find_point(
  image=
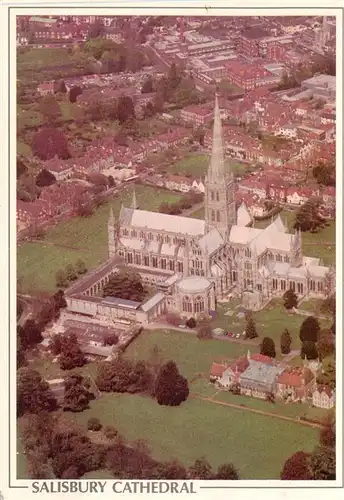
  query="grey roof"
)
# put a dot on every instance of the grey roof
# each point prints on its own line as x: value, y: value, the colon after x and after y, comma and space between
x: 91, y: 277
x: 171, y: 280
x: 194, y: 284
x: 211, y: 241
x: 97, y: 350
x: 261, y: 373
x: 161, y: 222
x: 243, y: 234
x: 243, y: 215
x: 153, y: 301
x: 116, y: 301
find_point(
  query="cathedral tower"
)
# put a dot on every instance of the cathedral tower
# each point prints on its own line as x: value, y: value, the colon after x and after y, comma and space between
x: 220, y: 210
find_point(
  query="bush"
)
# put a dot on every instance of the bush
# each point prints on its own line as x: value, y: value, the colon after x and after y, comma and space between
x: 190, y: 323
x: 110, y: 432
x: 94, y: 424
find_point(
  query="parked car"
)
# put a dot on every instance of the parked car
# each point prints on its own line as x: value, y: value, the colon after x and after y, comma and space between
x: 238, y: 336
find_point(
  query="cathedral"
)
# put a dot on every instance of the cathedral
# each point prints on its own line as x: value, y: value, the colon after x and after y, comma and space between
x: 192, y: 263
x: 223, y: 252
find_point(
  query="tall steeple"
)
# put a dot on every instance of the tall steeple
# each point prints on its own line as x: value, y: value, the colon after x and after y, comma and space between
x: 220, y: 209
x: 216, y: 169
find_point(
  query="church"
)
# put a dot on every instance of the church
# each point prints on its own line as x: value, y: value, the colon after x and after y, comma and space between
x: 193, y: 263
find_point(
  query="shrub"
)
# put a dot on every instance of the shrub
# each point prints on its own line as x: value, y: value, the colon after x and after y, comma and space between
x: 190, y: 323
x: 110, y: 432
x: 94, y: 424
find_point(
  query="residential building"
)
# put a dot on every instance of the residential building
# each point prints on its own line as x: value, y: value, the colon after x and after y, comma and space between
x: 324, y: 397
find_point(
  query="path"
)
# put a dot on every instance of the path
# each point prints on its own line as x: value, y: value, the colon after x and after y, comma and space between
x: 293, y: 354
x: 260, y: 412
x: 165, y: 326
x: 51, y: 243
x: 194, y: 208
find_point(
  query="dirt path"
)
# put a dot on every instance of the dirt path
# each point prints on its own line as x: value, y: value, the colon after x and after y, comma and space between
x: 252, y: 410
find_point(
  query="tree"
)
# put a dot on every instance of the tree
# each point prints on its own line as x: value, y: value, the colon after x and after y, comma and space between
x: 93, y: 424
x: 309, y: 350
x: 74, y: 93
x: 110, y: 432
x: 267, y: 347
x: 80, y: 267
x: 204, y: 331
x: 158, y: 103
x: 148, y: 85
x: 173, y: 77
x: 49, y: 142
x: 308, y: 217
x: 235, y: 388
x: 169, y: 470
x: 325, y: 174
x: 327, y: 437
x: 71, y: 355
x: 71, y: 274
x: 326, y: 344
x: 328, y: 374
x: 290, y: 299
x: 227, y: 472
x: 251, y: 331
x: 33, y: 393
x: 122, y: 375
x: 50, y: 108
x: 77, y: 396
x: 285, y: 342
x: 125, y: 285
x: 201, y: 470
x: 45, y: 178
x: 111, y: 181
x: 171, y: 388
x: 297, y: 467
x: 323, y: 463
x: 60, y: 87
x: 30, y: 334
x: 21, y: 168
x: 310, y: 330
x: 125, y: 109
x: 111, y: 339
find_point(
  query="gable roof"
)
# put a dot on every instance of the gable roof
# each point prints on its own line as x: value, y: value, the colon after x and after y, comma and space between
x: 162, y: 222
x: 217, y: 369
x: 243, y: 215
x: 211, y: 241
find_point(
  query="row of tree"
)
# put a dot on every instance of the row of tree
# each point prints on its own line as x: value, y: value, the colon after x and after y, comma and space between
x: 185, y: 203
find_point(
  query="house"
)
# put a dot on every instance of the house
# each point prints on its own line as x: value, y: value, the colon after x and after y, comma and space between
x: 173, y: 138
x: 295, y: 383
x: 198, y: 115
x: 216, y: 371
x: 232, y: 372
x: 259, y: 379
x: 46, y: 88
x: 178, y: 183
x: 61, y: 169
x: 324, y: 397
x: 198, y: 185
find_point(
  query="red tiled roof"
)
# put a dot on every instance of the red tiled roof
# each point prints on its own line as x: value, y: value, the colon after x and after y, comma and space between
x: 217, y: 369
x: 326, y: 389
x: 262, y: 359
x: 240, y: 365
x: 295, y: 377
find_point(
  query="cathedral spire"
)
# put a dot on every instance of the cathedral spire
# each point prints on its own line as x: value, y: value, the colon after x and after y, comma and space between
x: 134, y: 202
x: 217, y: 163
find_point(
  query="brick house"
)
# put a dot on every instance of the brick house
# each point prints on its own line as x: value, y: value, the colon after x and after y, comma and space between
x: 295, y: 383
x: 46, y: 88
x: 173, y: 138
x: 198, y: 115
x: 61, y: 169
x: 216, y: 371
x: 324, y: 397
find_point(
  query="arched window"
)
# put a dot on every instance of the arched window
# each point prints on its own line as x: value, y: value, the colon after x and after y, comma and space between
x: 142, y: 235
x: 218, y: 216
x: 150, y: 236
x: 213, y: 216
x: 133, y: 233
x: 248, y: 253
x: 217, y: 197
x: 167, y: 239
x: 180, y: 267
x: 187, y: 305
x: 212, y: 195
x: 199, y: 304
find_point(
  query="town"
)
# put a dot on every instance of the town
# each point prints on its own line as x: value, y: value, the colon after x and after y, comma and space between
x: 176, y: 247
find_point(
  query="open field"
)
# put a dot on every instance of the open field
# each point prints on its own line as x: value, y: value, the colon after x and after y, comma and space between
x: 49, y: 370
x: 193, y: 356
x: 196, y: 165
x: 38, y: 262
x: 201, y: 428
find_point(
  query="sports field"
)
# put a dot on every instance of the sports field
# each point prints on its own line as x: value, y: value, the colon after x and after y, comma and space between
x: 85, y: 238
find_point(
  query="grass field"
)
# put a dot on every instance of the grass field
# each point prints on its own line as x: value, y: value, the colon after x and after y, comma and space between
x: 193, y: 356
x: 199, y: 428
x: 199, y: 214
x: 37, y: 263
x: 270, y: 322
x: 196, y: 165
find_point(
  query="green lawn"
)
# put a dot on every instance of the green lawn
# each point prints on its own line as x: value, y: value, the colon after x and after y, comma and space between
x: 28, y: 118
x: 199, y: 428
x: 196, y: 165
x: 193, y: 356
x: 23, y: 149
x: 41, y: 58
x: 270, y: 321
x: 312, y: 305
x: 199, y: 214
x: 37, y: 263
x: 49, y: 370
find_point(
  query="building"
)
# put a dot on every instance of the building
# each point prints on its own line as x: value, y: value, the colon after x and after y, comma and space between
x: 197, y: 115
x: 295, y: 384
x: 323, y: 86
x: 249, y: 76
x: 191, y: 262
x: 46, y: 88
x: 324, y: 397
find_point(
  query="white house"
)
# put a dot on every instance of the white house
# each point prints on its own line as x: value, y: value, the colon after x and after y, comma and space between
x: 324, y: 397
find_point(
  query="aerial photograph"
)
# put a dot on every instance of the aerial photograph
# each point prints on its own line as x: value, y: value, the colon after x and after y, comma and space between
x: 176, y: 247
